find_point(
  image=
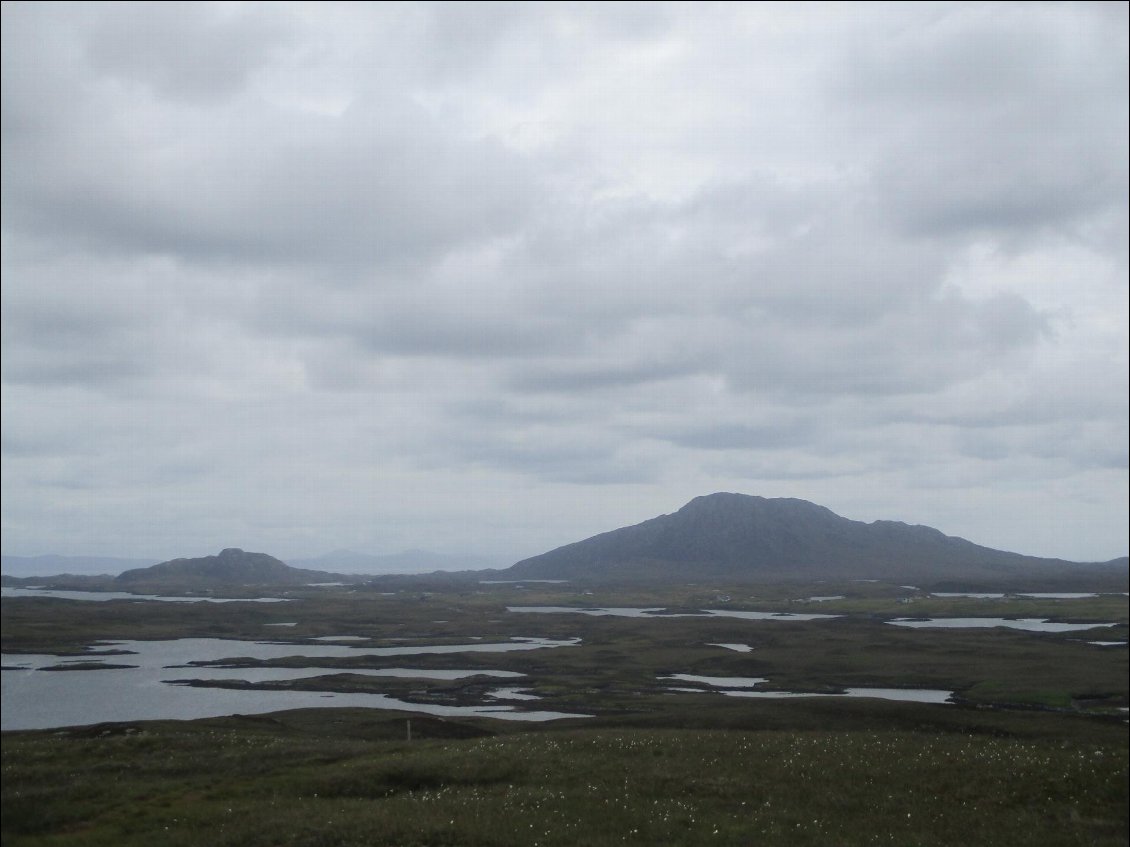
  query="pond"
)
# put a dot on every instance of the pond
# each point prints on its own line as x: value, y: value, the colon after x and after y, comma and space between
x: 1026, y: 624
x: 1035, y: 595
x: 661, y: 612
x: 104, y: 596
x: 736, y: 686
x: 138, y: 681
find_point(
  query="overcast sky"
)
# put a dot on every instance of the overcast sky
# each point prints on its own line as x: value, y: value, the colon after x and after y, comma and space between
x: 489, y: 279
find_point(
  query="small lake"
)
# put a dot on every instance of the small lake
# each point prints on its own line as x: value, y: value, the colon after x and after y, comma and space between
x: 104, y: 596
x: 905, y: 695
x: 1034, y: 595
x: 734, y: 686
x: 973, y: 595
x: 1026, y: 624
x: 661, y: 612
x: 35, y: 698
x: 511, y: 694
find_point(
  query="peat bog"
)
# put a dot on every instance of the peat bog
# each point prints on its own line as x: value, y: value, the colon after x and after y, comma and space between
x: 1034, y: 740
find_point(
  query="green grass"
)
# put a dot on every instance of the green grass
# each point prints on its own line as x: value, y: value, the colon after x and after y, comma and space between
x: 211, y: 783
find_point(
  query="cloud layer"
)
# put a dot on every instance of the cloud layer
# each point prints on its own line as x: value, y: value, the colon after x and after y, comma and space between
x: 491, y: 278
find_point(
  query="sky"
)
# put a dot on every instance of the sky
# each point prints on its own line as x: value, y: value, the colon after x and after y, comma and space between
x: 486, y: 279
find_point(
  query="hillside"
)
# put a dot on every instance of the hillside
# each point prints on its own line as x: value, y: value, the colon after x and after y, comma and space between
x: 740, y: 537
x: 230, y: 567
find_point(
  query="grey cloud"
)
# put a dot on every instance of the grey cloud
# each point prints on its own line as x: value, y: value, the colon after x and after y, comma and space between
x: 327, y: 288
x: 465, y: 36
x: 1026, y: 185
x: 1085, y: 389
x: 792, y: 432
x: 1091, y: 445
x: 585, y: 378
x: 186, y: 51
x: 383, y: 186
x: 1000, y: 117
x: 906, y: 355
x: 567, y: 453
x: 243, y: 178
x: 69, y: 336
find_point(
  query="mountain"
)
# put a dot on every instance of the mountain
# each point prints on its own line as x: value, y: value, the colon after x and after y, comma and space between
x: 231, y: 567
x: 740, y: 538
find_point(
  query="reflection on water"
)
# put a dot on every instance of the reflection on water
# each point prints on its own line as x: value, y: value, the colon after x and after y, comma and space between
x: 909, y: 695
x: 740, y: 687
x: 103, y: 596
x: 511, y: 694
x: 38, y: 700
x: 245, y: 674
x: 719, y: 681
x: 1036, y: 595
x: 1027, y: 624
x: 737, y: 648
x: 1062, y: 595
x: 974, y: 595
x: 661, y: 612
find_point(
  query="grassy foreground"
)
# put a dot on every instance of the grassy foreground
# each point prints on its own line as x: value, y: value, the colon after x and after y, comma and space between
x: 267, y: 781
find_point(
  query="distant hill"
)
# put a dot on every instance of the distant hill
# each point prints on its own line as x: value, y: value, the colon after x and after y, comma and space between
x: 229, y: 568
x: 739, y: 537
x: 23, y: 566
x: 407, y: 562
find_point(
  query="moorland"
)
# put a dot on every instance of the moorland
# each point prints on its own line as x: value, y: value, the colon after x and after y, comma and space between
x: 675, y: 746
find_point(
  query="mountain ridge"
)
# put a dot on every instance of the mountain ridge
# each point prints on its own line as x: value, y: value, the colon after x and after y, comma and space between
x: 720, y: 536
x: 740, y: 536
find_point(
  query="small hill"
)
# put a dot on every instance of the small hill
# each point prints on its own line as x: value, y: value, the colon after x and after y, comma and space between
x: 406, y: 562
x: 739, y: 537
x: 25, y: 566
x: 230, y: 568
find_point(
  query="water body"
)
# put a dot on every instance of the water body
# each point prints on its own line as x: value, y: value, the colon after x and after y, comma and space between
x: 909, y: 695
x: 103, y: 596
x: 661, y: 612
x: 213, y: 673
x: 511, y: 694
x: 1063, y: 595
x: 975, y: 595
x: 740, y: 687
x: 1026, y: 624
x: 720, y: 681
x: 38, y: 699
x: 1036, y: 595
